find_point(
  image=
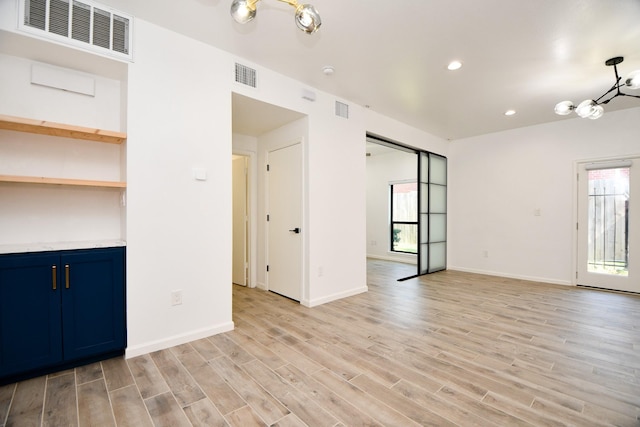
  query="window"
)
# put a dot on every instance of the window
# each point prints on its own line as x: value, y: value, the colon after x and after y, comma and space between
x: 608, y: 250
x: 404, y: 217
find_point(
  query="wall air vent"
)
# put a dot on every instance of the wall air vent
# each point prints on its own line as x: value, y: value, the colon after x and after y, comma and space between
x: 342, y: 110
x: 83, y: 24
x: 246, y: 75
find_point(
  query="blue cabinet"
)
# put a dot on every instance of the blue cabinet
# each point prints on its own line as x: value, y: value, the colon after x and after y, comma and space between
x: 60, y: 309
x: 30, y: 326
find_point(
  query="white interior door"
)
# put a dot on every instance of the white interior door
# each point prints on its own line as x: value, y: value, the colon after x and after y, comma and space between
x: 240, y: 220
x: 285, y: 221
x: 609, y: 225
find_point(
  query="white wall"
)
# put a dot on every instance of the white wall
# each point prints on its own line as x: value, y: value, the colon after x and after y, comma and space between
x: 497, y: 181
x: 46, y: 214
x: 337, y: 203
x: 383, y: 169
x: 179, y: 229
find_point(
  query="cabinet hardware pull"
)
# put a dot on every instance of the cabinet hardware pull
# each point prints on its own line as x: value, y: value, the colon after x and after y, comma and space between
x: 66, y: 276
x: 54, y: 277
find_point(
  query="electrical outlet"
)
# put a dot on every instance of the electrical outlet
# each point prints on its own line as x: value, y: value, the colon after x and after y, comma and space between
x: 176, y: 297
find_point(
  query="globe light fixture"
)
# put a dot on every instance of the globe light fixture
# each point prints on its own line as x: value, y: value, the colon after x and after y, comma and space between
x: 306, y: 16
x: 593, y: 108
x: 586, y: 108
x: 633, y: 81
x: 243, y: 11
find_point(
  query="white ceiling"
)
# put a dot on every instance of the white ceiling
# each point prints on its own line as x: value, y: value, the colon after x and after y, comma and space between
x: 392, y: 55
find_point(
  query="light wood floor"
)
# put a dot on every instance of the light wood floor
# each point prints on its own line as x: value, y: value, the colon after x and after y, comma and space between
x: 447, y: 349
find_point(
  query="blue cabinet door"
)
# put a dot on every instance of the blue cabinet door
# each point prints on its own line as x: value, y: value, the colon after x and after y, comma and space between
x: 93, y: 295
x: 30, y: 330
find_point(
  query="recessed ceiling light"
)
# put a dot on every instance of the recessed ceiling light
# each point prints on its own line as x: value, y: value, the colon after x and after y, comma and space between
x: 509, y: 112
x: 328, y: 70
x: 454, y: 65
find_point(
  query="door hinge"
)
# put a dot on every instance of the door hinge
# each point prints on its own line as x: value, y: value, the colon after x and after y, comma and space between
x: 267, y: 268
x: 267, y: 217
x: 267, y: 168
x: 577, y: 225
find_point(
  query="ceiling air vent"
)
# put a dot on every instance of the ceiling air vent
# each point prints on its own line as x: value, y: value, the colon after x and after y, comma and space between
x: 83, y: 24
x: 342, y: 110
x: 245, y: 75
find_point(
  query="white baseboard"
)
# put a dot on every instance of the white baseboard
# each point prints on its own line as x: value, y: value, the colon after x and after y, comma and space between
x: 262, y: 286
x: 150, y: 347
x: 334, y: 297
x: 511, y: 276
x: 408, y: 259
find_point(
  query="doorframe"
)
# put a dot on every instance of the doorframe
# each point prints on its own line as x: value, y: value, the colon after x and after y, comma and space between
x: 421, y: 154
x: 252, y: 213
x: 304, y: 282
x: 576, y: 194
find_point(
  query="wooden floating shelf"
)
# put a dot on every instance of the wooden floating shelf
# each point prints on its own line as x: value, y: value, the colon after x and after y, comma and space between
x: 42, y: 127
x: 62, y: 181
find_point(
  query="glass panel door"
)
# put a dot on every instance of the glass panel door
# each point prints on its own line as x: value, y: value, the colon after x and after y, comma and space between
x: 423, y: 208
x: 432, y: 174
x: 608, y: 224
x: 437, y: 213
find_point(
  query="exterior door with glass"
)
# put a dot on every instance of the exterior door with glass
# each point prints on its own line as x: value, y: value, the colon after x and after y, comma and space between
x: 609, y: 225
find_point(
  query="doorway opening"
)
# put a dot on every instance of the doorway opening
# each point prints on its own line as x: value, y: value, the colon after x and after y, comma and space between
x: 257, y: 129
x: 406, y: 205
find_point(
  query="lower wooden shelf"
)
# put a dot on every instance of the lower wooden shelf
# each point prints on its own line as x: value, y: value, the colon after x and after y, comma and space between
x: 62, y: 181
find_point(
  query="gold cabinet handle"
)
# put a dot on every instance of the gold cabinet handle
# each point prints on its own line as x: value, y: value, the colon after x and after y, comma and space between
x: 66, y: 276
x: 54, y: 277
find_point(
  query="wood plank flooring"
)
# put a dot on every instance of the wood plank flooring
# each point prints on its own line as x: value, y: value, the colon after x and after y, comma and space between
x: 446, y: 349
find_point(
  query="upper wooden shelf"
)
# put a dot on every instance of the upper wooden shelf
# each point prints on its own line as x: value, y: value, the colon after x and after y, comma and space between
x: 59, y: 129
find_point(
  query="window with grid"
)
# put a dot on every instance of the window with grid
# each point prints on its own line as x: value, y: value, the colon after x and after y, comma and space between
x: 404, y: 217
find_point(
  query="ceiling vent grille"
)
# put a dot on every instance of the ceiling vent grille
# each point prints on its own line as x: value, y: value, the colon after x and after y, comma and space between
x: 83, y: 24
x: 246, y: 75
x: 342, y: 110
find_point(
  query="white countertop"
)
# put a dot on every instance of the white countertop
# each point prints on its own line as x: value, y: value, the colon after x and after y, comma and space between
x: 60, y: 246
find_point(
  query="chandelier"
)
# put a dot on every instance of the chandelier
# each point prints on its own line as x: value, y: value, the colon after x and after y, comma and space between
x: 593, y: 108
x: 307, y: 17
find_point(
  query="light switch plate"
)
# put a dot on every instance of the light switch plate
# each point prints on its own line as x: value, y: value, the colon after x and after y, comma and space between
x: 200, y: 174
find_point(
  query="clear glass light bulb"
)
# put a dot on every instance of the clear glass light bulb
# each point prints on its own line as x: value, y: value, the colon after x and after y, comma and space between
x: 563, y: 108
x: 243, y: 11
x: 633, y: 81
x: 597, y: 112
x: 585, y: 108
x: 308, y: 18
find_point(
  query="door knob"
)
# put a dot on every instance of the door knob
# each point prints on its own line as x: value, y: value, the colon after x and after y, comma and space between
x: 296, y: 230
